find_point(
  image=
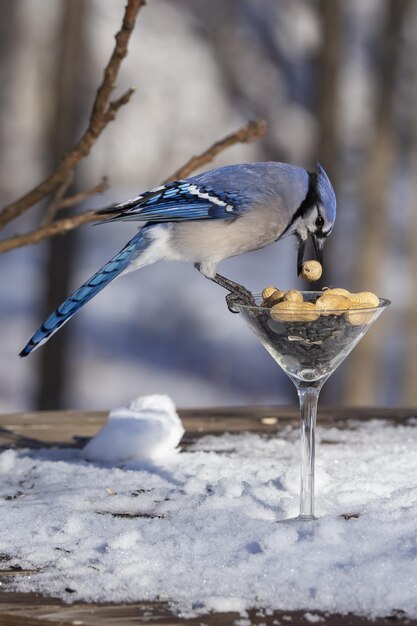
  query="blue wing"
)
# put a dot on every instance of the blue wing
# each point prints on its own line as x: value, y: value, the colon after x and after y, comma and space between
x: 178, y: 201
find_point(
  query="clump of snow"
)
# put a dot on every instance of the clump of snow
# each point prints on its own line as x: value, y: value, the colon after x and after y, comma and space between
x: 148, y: 429
x: 200, y: 530
x: 221, y: 604
x: 313, y: 618
x: 7, y: 460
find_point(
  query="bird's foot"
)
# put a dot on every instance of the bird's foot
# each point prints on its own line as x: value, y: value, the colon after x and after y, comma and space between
x: 238, y: 294
x: 232, y: 300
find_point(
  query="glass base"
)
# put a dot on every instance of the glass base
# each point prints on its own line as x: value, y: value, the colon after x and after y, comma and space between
x: 306, y: 518
x: 299, y: 518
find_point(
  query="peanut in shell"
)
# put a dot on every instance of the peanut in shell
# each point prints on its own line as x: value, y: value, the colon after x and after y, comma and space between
x: 293, y: 296
x: 310, y: 313
x: 329, y: 304
x: 337, y: 291
x: 290, y: 311
x: 311, y: 270
x: 358, y: 318
x: 268, y: 291
x: 275, y: 296
x: 364, y: 300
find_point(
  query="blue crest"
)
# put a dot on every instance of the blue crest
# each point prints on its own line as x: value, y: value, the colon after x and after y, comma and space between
x: 327, y: 194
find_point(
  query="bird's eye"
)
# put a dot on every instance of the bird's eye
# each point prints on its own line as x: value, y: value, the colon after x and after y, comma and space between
x: 319, y: 222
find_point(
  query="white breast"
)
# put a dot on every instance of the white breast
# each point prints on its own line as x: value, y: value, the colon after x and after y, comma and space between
x: 214, y: 240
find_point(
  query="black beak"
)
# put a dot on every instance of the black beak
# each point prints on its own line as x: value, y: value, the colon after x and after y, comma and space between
x: 300, y: 254
x: 318, y: 247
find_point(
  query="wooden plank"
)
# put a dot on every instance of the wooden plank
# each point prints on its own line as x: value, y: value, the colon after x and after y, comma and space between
x: 32, y: 610
x: 73, y: 428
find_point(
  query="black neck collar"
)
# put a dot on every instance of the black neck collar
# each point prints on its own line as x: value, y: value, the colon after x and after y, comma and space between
x: 309, y: 201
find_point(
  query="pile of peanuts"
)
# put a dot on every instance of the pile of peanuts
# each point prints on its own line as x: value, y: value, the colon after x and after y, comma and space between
x: 289, y: 306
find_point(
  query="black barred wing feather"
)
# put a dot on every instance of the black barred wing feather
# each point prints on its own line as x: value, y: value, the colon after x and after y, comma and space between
x: 177, y: 201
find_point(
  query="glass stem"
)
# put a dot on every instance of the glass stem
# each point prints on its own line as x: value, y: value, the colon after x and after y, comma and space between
x: 308, y: 395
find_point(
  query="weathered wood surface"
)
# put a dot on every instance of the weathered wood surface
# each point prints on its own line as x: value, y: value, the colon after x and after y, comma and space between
x: 73, y: 428
x: 32, y: 610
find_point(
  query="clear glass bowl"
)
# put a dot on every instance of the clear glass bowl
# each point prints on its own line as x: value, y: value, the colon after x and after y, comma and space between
x: 309, y: 345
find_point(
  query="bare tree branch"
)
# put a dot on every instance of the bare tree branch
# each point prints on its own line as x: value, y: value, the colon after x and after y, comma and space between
x: 65, y: 203
x: 58, y: 227
x: 59, y: 202
x: 102, y: 113
x: 247, y: 134
x: 57, y: 198
x: 251, y: 132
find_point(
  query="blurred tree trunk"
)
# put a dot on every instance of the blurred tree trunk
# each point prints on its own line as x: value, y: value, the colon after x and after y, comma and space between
x: 410, y: 382
x: 328, y: 71
x: 410, y: 385
x: 364, y: 365
x: 329, y: 63
x: 237, y: 40
x: 9, y: 42
x: 61, y: 250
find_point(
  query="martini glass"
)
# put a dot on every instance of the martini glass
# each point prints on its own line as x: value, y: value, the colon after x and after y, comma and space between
x: 308, y: 345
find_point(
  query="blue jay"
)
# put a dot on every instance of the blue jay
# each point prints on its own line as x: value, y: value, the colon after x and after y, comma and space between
x: 210, y: 217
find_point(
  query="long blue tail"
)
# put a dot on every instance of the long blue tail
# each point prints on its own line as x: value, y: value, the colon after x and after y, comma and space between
x: 87, y: 291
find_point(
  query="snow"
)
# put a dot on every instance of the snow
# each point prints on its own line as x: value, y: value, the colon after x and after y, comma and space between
x: 199, y: 529
x: 148, y: 429
x: 312, y: 618
x: 7, y: 460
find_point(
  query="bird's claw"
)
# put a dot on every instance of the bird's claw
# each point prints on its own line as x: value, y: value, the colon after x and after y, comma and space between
x: 243, y: 297
x: 231, y: 300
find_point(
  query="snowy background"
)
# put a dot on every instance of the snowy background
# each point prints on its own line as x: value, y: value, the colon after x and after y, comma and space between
x: 201, y: 70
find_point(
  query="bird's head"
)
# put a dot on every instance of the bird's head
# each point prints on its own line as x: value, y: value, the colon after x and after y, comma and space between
x: 316, y: 215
